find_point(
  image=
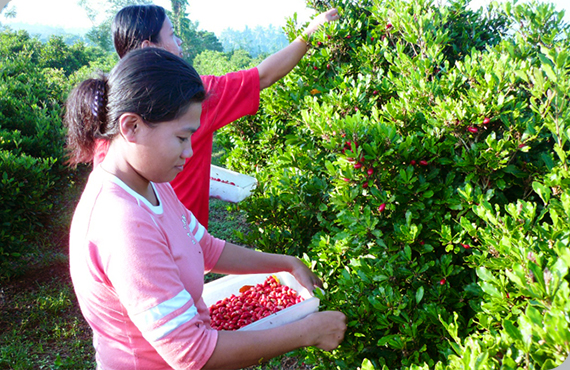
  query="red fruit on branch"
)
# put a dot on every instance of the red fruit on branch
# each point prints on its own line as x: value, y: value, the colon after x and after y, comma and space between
x: 315, y: 68
x: 413, y: 162
x: 423, y: 162
x: 381, y: 207
x: 358, y: 165
x: 472, y: 130
x: 370, y: 171
x: 365, y: 185
x: 486, y: 121
x: 319, y: 43
x: 466, y: 246
x: 388, y: 26
x: 442, y: 281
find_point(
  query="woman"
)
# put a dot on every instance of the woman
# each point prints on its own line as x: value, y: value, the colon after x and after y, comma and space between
x: 230, y: 97
x: 137, y: 255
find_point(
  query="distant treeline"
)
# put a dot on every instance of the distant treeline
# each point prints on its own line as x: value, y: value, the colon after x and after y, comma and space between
x: 256, y: 41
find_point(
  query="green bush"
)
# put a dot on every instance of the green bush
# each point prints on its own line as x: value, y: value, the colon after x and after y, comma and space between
x: 34, y: 80
x: 418, y: 156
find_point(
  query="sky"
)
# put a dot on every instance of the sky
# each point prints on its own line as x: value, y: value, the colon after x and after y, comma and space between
x: 212, y: 15
x: 235, y: 14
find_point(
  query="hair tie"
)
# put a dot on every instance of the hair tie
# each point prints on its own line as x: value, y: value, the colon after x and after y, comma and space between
x: 98, y: 99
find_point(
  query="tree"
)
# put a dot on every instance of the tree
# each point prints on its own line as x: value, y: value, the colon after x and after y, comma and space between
x: 100, y: 33
x: 194, y: 41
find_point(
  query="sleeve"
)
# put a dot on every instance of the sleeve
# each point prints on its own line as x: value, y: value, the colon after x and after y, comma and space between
x: 230, y: 97
x: 212, y: 247
x: 155, y: 298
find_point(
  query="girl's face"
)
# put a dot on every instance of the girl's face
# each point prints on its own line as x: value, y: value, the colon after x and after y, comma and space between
x: 168, y: 39
x: 160, y: 152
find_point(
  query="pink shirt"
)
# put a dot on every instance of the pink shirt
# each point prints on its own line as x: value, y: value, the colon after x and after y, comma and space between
x: 230, y: 97
x: 138, y: 272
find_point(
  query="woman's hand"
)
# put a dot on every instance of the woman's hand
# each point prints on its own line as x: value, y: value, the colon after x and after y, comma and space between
x: 305, y: 276
x: 328, y: 16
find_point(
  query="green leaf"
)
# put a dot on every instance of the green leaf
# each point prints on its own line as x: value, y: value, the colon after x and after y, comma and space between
x: 542, y: 191
x: 512, y: 331
x: 419, y: 294
x: 366, y: 365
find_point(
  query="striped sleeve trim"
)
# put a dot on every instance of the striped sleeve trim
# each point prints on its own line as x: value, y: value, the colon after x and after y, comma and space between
x: 151, y: 317
x: 199, y: 231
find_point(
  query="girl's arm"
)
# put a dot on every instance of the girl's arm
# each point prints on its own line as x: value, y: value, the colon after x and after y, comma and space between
x: 277, y: 65
x: 239, y: 260
x: 239, y: 349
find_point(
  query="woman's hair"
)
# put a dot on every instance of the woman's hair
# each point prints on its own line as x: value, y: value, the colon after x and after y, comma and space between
x: 136, y: 23
x: 150, y: 82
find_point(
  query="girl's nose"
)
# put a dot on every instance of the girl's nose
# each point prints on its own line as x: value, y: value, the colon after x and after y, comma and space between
x: 187, y: 153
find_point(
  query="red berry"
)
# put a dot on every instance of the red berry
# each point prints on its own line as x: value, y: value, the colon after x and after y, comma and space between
x: 422, y: 242
x: 388, y: 26
x: 472, y: 129
x: 423, y: 162
x: 521, y: 146
x: 486, y: 121
x: 382, y: 207
x: 346, y: 179
x: 370, y: 171
x: 358, y: 165
x: 413, y: 162
x: 319, y: 43
x: 347, y: 36
x: 442, y: 281
x: 328, y: 66
x: 365, y: 185
x: 466, y: 246
x: 315, y: 68
x: 372, y: 38
x: 375, y: 92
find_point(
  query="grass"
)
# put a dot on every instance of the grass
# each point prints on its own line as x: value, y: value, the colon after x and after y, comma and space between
x: 41, y: 326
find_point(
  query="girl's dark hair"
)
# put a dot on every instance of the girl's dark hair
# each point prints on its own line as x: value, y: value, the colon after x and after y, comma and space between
x: 151, y: 82
x: 136, y: 23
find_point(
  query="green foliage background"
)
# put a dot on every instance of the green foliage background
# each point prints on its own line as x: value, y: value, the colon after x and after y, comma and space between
x: 418, y: 159
x: 34, y: 80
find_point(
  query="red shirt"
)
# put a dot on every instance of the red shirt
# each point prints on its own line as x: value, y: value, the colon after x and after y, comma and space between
x: 230, y: 97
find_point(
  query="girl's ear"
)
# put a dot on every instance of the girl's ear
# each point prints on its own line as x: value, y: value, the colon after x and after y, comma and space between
x: 146, y: 44
x: 130, y: 125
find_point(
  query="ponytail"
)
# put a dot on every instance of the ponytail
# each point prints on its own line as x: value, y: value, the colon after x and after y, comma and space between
x: 86, y: 119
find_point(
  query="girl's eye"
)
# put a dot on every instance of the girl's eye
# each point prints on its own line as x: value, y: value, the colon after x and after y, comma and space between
x: 182, y: 139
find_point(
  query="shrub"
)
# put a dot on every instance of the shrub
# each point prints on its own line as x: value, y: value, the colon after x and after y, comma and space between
x: 384, y: 158
x: 33, y: 84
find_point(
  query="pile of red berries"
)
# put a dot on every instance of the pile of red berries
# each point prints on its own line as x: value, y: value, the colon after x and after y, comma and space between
x: 224, y: 181
x: 253, y: 303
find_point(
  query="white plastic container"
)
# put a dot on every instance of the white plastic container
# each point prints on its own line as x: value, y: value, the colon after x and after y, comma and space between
x: 230, y: 186
x: 228, y: 285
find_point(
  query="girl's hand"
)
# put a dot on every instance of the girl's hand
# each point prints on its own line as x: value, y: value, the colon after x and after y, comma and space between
x: 328, y: 16
x: 305, y: 276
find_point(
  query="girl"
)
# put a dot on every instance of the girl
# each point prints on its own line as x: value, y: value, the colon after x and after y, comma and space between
x: 137, y: 255
x: 230, y: 97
